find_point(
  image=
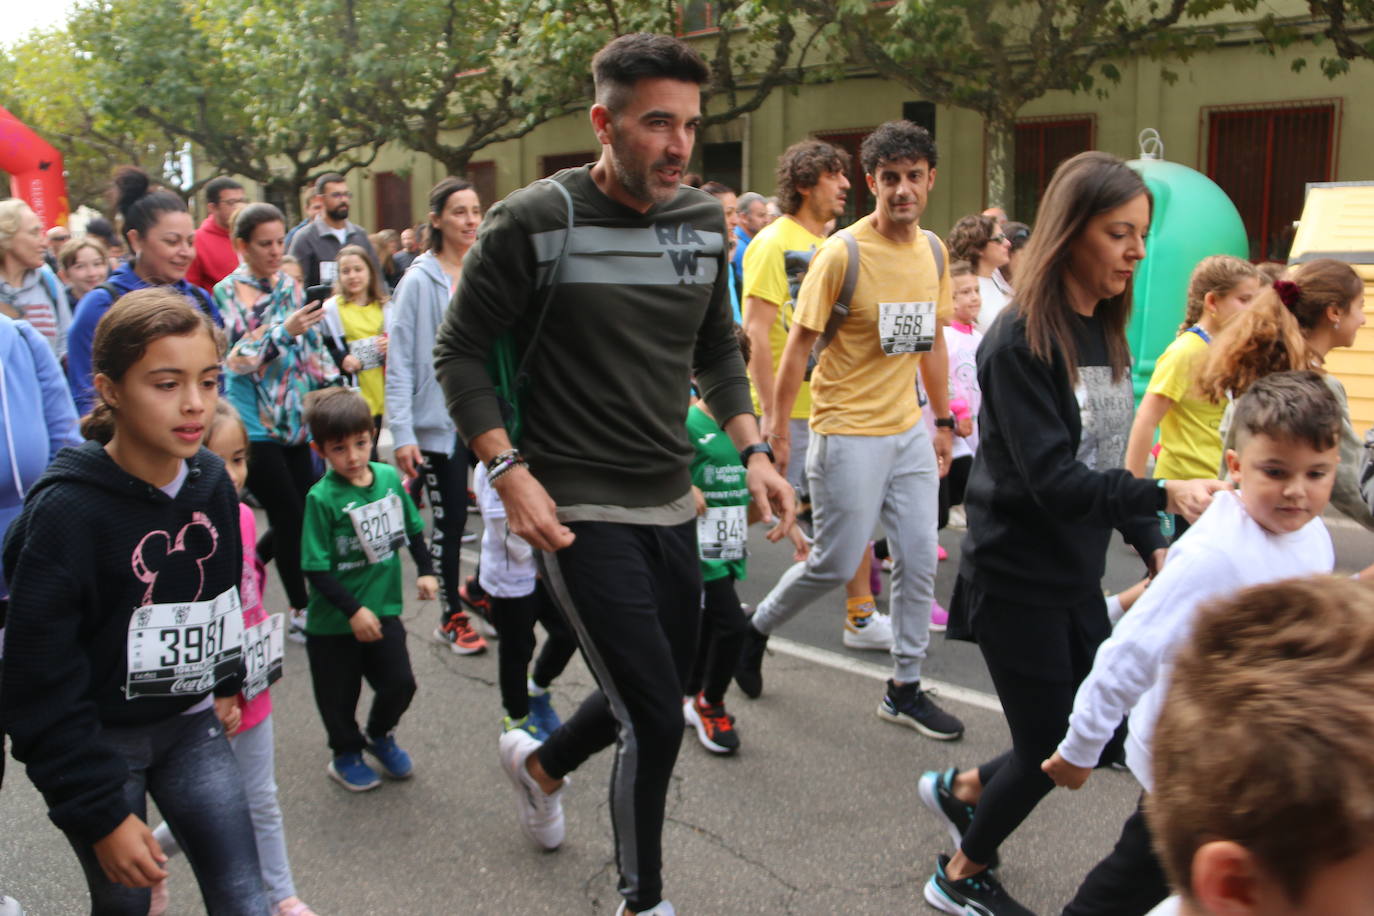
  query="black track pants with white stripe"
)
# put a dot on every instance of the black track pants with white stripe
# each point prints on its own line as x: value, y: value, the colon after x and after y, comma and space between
x: 632, y: 596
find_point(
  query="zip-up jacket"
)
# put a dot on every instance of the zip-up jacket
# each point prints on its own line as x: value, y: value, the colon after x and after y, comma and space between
x: 414, y: 401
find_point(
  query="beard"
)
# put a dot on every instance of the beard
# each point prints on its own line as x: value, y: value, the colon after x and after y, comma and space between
x: 638, y: 178
x: 337, y: 213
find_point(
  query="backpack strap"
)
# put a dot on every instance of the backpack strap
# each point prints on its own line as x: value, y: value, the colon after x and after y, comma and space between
x: 851, y: 278
x: 840, y: 311
x: 552, y: 279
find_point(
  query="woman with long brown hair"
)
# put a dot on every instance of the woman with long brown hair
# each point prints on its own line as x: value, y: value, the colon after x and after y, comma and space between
x: 1046, y: 489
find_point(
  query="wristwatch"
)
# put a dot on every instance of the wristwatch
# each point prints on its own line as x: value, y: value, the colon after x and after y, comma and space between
x: 751, y: 450
x: 944, y: 422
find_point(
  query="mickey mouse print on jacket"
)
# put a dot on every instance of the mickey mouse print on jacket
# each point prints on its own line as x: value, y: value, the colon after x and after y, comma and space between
x: 96, y: 557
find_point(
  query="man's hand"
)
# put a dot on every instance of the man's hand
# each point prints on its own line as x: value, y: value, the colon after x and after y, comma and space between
x: 1155, y: 564
x: 366, y: 626
x: 698, y: 500
x: 771, y: 492
x: 229, y: 714
x: 1065, y: 774
x: 944, y: 448
x: 130, y: 855
x: 409, y: 459
x: 1190, y: 498
x: 964, y: 426
x: 530, y: 511
x: 428, y: 587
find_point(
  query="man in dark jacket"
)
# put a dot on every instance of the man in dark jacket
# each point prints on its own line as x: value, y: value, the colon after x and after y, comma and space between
x: 317, y: 244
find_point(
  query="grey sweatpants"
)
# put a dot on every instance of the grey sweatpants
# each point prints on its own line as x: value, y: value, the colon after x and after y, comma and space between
x: 856, y: 481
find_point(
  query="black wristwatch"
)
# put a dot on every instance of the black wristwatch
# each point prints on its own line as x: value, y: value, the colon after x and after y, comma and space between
x: 758, y: 447
x: 944, y: 422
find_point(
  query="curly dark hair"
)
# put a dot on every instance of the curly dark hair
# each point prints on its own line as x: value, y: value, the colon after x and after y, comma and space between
x: 801, y: 166
x: 894, y: 141
x: 969, y: 235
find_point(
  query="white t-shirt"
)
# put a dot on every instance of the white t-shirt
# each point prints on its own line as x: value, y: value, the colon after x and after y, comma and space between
x: 1224, y: 552
x: 994, y: 300
x: 507, y: 569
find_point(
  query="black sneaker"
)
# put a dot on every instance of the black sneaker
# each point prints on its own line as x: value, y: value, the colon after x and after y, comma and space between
x: 937, y: 794
x: 977, y: 895
x: 749, y: 671
x: 911, y: 706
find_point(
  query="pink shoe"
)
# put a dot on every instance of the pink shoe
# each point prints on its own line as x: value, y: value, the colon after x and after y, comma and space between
x: 941, y: 554
x: 939, y: 617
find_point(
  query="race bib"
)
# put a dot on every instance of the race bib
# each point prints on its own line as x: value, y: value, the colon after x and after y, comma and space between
x: 380, y: 527
x: 263, y: 644
x: 368, y: 351
x: 329, y: 270
x: 178, y: 649
x: 906, y: 327
x: 722, y: 532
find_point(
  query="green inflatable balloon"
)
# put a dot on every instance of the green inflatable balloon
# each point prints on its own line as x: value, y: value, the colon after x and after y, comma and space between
x: 1193, y: 218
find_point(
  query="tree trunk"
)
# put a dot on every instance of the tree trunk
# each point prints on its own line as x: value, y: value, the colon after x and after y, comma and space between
x: 1000, y: 187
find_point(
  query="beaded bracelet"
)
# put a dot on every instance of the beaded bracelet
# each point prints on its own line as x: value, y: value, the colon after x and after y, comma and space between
x: 503, y: 464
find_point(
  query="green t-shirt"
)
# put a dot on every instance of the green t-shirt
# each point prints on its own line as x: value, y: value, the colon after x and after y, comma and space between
x: 722, y: 533
x: 351, y: 533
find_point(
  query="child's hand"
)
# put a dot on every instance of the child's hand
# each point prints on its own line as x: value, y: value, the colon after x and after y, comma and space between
x: 1065, y: 774
x: 381, y: 346
x: 130, y: 855
x: 699, y: 500
x: 366, y: 626
x: 428, y: 587
x: 230, y: 716
x: 963, y: 427
x: 802, y: 545
x: 351, y: 364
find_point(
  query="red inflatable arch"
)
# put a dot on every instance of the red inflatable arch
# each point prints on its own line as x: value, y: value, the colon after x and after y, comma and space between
x: 35, y: 168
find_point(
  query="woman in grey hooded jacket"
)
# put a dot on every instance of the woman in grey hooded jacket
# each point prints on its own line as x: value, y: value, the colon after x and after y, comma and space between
x: 425, y: 438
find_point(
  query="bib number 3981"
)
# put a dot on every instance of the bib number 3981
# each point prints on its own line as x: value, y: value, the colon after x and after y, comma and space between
x: 263, y: 645
x: 178, y: 649
x: 721, y: 533
x: 380, y: 527
x: 906, y: 327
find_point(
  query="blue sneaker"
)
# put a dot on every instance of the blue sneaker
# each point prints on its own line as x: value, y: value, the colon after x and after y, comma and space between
x: 349, y: 771
x: 395, y: 762
x: 542, y: 717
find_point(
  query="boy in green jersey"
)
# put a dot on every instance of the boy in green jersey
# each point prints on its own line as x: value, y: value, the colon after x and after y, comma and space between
x: 723, y: 516
x: 356, y: 518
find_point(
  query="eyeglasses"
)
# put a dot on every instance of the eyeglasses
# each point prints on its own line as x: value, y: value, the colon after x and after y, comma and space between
x: 339, y: 195
x: 233, y: 203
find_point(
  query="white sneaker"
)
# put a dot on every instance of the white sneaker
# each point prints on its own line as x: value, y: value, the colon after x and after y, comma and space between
x: 664, y: 908
x: 10, y: 907
x: 957, y: 518
x: 541, y: 815
x: 295, y: 629
x: 871, y: 632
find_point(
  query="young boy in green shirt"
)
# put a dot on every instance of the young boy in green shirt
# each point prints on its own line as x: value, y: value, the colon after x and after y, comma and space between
x: 356, y: 518
x: 723, y: 517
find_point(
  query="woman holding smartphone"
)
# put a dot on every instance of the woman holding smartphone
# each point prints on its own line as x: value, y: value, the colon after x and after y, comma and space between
x: 276, y: 357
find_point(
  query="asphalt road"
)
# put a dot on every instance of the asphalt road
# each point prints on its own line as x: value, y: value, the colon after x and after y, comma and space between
x: 818, y: 814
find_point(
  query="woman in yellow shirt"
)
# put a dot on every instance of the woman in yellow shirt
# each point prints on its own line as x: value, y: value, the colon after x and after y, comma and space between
x: 1188, y: 423
x: 356, y: 319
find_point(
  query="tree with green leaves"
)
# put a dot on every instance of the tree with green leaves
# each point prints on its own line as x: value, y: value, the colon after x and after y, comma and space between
x: 994, y: 56
x: 448, y: 78
x: 253, y: 85
x: 47, y: 83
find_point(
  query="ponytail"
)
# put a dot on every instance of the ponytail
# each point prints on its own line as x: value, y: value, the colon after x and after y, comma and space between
x: 99, y: 424
x: 1218, y: 274
x: 1262, y: 340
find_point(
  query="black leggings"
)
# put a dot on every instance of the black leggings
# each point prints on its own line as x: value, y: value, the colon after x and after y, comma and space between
x: 1037, y: 657
x: 280, y: 476
x: 952, y: 487
x: 515, y: 620
x: 722, y: 636
x: 632, y: 596
x: 446, y: 482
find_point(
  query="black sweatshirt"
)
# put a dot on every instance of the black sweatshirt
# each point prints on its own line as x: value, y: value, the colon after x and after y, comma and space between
x: 93, y: 545
x: 1039, y: 518
x: 641, y: 306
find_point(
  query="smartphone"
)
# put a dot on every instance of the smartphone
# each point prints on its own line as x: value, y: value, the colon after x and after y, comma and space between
x: 315, y: 296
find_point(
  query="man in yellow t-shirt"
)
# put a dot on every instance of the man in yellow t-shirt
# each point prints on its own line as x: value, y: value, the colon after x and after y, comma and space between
x: 871, y: 458
x: 811, y: 192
